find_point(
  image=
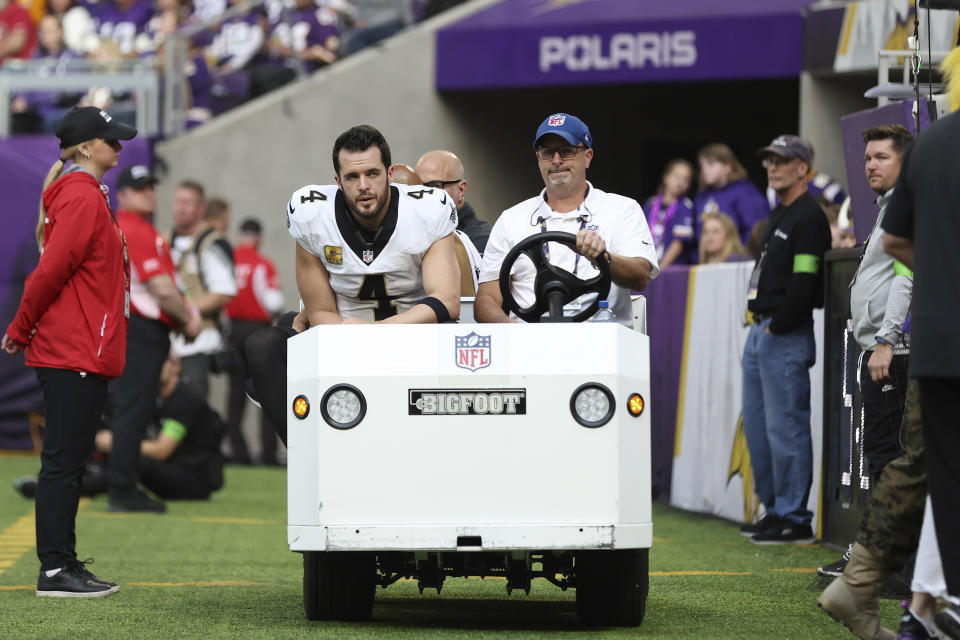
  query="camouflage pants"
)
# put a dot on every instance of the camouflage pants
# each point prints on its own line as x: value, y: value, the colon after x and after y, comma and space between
x: 890, y: 528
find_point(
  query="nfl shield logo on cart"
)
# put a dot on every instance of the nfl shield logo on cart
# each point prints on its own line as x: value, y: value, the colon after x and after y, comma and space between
x: 472, y: 351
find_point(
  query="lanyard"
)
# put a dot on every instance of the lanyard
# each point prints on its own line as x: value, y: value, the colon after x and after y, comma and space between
x: 546, y: 245
x: 659, y: 219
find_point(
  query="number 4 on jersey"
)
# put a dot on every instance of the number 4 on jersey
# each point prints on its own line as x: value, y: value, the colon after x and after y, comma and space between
x: 374, y: 289
x: 313, y: 197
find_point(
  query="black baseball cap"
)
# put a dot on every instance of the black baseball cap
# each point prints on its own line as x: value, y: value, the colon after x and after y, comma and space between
x: 251, y: 226
x: 788, y: 146
x: 136, y: 177
x: 86, y: 123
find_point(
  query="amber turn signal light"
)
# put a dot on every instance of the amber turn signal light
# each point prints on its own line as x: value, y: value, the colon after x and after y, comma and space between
x: 635, y: 404
x: 301, y: 407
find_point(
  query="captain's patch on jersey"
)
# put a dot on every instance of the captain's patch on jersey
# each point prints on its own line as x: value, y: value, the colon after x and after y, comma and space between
x: 333, y: 254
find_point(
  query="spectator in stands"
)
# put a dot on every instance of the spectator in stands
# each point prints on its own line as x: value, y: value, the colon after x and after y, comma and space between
x: 121, y: 21
x: 78, y: 25
x: 724, y: 187
x: 259, y: 300
x: 18, y: 34
x: 720, y: 241
x: 72, y: 322
x: 204, y: 262
x: 238, y: 48
x: 376, y: 20
x: 183, y: 462
x: 443, y: 170
x: 308, y: 33
x: 563, y: 148
x: 157, y: 308
x: 840, y: 238
x: 785, y: 287
x: 820, y: 186
x: 670, y: 216
x: 921, y: 232
x: 40, y: 111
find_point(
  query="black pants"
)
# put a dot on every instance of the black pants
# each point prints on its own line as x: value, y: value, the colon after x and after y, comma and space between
x: 883, y: 404
x: 940, y: 406
x: 134, y: 399
x: 177, y: 482
x: 267, y: 358
x: 240, y: 330
x: 196, y: 373
x: 72, y: 406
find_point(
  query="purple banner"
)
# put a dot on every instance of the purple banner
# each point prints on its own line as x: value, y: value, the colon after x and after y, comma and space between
x: 666, y: 320
x: 862, y: 199
x: 26, y: 160
x: 525, y: 43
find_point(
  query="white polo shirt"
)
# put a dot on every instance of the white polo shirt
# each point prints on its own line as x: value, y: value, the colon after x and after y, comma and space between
x: 617, y: 219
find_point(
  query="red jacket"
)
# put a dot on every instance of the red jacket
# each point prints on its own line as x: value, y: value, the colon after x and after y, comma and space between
x: 256, y: 282
x: 76, y: 297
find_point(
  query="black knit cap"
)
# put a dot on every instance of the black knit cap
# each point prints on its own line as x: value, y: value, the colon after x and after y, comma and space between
x: 86, y: 123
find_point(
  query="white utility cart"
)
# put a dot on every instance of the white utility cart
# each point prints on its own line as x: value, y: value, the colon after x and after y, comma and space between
x: 432, y: 451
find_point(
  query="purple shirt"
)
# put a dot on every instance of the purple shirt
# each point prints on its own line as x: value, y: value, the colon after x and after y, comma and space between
x: 672, y: 222
x: 122, y: 26
x: 740, y: 200
x: 308, y: 28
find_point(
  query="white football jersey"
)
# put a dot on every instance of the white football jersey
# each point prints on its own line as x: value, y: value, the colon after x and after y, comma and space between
x: 374, y: 276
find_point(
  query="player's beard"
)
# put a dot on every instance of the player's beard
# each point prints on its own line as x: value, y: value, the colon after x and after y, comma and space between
x: 372, y: 214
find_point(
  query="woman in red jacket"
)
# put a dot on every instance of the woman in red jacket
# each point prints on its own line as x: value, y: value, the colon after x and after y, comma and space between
x: 72, y: 322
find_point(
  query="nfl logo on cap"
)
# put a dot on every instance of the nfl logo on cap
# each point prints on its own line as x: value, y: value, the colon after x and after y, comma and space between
x: 557, y: 120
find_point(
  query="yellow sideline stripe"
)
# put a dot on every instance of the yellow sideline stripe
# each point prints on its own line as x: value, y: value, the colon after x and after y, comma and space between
x: 200, y: 583
x: 678, y: 438
x: 19, y: 538
x: 848, y: 22
x: 794, y: 570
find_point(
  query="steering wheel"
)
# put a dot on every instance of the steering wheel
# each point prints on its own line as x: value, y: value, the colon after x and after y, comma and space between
x: 553, y: 286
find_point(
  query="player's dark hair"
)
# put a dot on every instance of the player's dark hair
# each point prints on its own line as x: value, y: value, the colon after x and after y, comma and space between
x: 897, y: 134
x: 250, y: 226
x: 193, y: 185
x: 360, y: 138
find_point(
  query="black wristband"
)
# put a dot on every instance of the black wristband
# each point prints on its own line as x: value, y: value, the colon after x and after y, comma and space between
x: 438, y: 308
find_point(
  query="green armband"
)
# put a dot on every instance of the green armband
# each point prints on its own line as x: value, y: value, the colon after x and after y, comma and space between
x: 806, y: 263
x: 900, y: 269
x: 174, y: 429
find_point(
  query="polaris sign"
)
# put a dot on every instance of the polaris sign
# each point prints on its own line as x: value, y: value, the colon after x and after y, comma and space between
x: 621, y: 50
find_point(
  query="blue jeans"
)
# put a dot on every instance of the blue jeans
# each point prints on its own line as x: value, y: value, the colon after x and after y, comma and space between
x: 776, y: 418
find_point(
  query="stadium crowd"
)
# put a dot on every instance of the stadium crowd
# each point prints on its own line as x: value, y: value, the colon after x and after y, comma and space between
x: 228, y: 60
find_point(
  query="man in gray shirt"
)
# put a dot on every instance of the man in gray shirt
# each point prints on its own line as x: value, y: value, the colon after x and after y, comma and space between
x: 880, y: 296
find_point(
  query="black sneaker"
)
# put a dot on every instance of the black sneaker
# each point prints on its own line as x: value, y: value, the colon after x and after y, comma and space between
x: 835, y: 569
x: 785, y: 533
x: 910, y: 626
x: 948, y: 621
x: 81, y: 567
x: 73, y: 581
x: 135, y: 500
x: 26, y: 486
x: 768, y: 522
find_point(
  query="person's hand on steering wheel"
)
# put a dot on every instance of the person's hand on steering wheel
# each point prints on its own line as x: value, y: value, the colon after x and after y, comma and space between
x: 590, y: 245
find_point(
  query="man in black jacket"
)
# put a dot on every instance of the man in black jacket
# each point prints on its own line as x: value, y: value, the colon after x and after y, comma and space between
x: 443, y: 170
x: 785, y: 287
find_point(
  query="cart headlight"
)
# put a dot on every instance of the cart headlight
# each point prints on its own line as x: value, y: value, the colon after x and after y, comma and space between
x: 635, y: 404
x: 301, y: 407
x: 592, y: 405
x: 343, y: 406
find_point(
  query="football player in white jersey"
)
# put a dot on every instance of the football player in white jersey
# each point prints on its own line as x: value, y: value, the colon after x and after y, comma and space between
x: 368, y: 251
x: 604, y: 223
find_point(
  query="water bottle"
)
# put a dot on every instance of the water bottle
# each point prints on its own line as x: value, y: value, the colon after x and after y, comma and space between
x: 604, y: 314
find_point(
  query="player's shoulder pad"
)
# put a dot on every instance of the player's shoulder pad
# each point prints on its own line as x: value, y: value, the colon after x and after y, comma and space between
x: 307, y: 203
x: 428, y: 201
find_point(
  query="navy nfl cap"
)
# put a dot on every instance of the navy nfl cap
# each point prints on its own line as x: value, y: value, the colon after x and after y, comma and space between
x: 788, y: 146
x: 570, y: 128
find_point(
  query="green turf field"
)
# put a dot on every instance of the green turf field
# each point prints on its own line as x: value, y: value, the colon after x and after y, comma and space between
x: 221, y: 569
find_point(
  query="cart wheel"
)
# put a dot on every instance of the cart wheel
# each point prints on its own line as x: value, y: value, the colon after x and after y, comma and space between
x: 612, y: 586
x: 339, y: 585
